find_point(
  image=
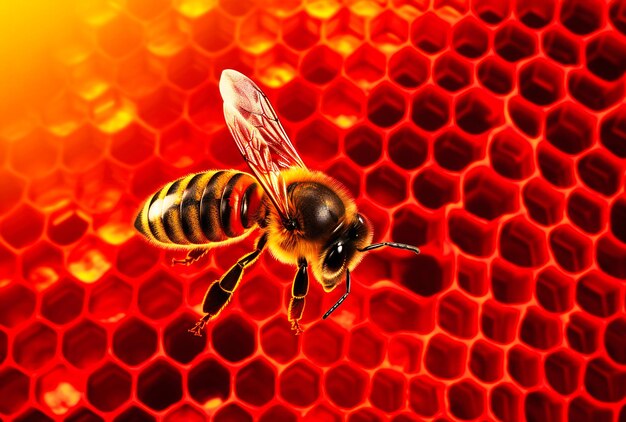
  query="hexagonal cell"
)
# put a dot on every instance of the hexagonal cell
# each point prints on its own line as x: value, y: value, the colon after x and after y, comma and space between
x: 458, y: 315
x: 472, y: 276
x: 435, y: 189
x: 611, y: 256
x: 412, y: 226
x: 84, y: 344
x: 511, y: 155
x: 278, y: 341
x: 366, y: 347
x: 135, y: 259
x: 486, y: 361
x: 405, y: 352
x: 499, y: 322
x: 318, y: 141
x: 526, y: 116
x: 213, y: 31
x: 522, y: 243
x: 300, y: 383
x: 601, y: 172
x: 258, y: 32
x: 506, y: 402
x: 496, y: 75
x: 254, y: 383
x: 160, y: 108
x: 323, y: 343
x: 572, y: 251
x: 429, y: 33
x: 17, y: 303
x: 233, y: 338
x: 205, y: 393
x: 475, y: 112
x: 617, y: 16
x: 488, y: 195
x: 510, y: 284
x: 582, y: 16
x: 430, y: 108
x: 134, y: 341
x: 203, y: 117
x: 563, y: 371
x: 613, y: 132
x: 554, y: 291
x: 159, y: 296
x: 451, y: 72
x: 14, y: 386
x: 67, y: 225
x: 539, y: 330
x: 32, y: 165
x: 436, y: 276
x: 454, y: 150
x: 363, y: 145
x: 426, y: 395
x: 320, y: 65
x: 583, y: 333
x: 393, y: 312
x: 540, y: 405
x: 301, y: 31
x: 342, y: 103
x: 33, y: 415
x: 177, y: 342
x: 541, y: 82
x: 560, y: 46
x: 346, y: 386
x: 467, y: 399
x: 296, y: 101
x: 535, y: 14
x: 188, y: 69
x: 388, y: 30
x: 133, y: 414
x: 491, y: 11
x: 473, y: 235
x: 140, y: 72
x: 408, y: 68
x: 232, y: 412
x: 570, y: 129
x: 82, y: 414
x: 555, y: 166
x: 581, y: 409
x: 544, y: 204
x: 159, y: 385
x: 110, y: 299
x: 345, y: 31
x: 593, y: 92
x: 22, y: 227
x: 469, y: 38
x: 63, y: 302
x: 605, y: 381
x: 513, y: 42
x: 618, y: 218
x: 277, y: 67
x: 524, y: 366
x: 407, y: 147
x: 445, y: 358
x: 386, y: 186
x: 365, y: 65
x: 388, y: 390
x: 109, y: 387
x: 321, y: 412
x: 386, y: 106
x: 34, y: 346
x: 120, y: 36
x: 259, y: 298
x: 598, y: 294
x: 132, y: 145
x: 614, y: 340
x: 83, y: 147
x: 278, y: 413
x: 11, y: 190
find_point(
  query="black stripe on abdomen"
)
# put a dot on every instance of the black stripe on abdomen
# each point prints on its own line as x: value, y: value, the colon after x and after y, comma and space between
x: 209, y: 207
x: 226, y: 206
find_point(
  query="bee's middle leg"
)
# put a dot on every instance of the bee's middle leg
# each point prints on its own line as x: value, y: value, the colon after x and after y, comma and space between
x: 192, y: 256
x: 299, y: 290
x: 220, y: 291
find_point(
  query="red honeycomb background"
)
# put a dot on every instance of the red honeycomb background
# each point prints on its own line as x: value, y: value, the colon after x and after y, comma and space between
x: 492, y: 134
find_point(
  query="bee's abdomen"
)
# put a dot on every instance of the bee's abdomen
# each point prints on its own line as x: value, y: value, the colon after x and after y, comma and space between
x: 201, y: 208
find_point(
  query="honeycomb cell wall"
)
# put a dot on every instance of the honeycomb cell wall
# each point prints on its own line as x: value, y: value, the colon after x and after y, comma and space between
x: 489, y: 133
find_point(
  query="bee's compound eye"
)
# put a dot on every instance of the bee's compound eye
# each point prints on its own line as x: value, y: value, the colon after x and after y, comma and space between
x: 335, y: 258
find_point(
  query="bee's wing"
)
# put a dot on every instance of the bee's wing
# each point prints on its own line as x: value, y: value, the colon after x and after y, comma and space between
x: 259, y: 135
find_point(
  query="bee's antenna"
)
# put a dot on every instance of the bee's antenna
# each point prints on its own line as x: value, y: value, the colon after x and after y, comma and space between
x: 342, y: 298
x: 390, y: 244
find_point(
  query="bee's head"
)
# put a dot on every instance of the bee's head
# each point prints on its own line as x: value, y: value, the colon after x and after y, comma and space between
x: 341, y: 252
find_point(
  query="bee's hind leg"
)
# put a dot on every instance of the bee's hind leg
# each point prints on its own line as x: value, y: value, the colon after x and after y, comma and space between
x: 220, y: 291
x: 299, y: 289
x: 192, y: 256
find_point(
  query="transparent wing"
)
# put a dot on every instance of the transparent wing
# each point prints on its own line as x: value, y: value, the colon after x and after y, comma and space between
x: 259, y: 135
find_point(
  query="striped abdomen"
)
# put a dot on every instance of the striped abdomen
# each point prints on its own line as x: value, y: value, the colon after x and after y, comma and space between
x: 201, y: 208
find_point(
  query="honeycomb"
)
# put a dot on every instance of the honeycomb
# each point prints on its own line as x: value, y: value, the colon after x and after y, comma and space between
x: 491, y: 134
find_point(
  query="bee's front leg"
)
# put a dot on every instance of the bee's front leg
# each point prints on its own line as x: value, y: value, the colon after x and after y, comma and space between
x: 299, y: 289
x: 220, y: 291
x: 192, y: 256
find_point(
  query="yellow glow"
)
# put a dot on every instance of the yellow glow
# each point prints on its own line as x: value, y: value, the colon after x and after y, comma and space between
x: 90, y: 266
x: 115, y: 233
x: 62, y: 399
x: 214, y: 403
x: 194, y: 8
x: 322, y: 9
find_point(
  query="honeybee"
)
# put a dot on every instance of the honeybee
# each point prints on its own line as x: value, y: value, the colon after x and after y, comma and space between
x: 304, y: 217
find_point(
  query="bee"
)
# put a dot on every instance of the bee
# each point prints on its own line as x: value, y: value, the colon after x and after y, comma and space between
x: 304, y: 217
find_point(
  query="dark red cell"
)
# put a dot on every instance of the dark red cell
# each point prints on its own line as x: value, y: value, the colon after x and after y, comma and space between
x: 451, y: 72
x: 317, y: 141
x: 233, y: 338
x: 541, y: 82
x: 323, y: 343
x: 366, y: 347
x: 435, y: 276
x: 496, y: 75
x: 431, y: 108
x: 22, y: 227
x: 455, y: 150
x: 425, y: 395
x: 365, y: 64
x: 601, y: 172
x: 388, y: 390
x: 571, y: 249
x: 471, y: 234
x: 35, y: 346
x: 511, y: 155
x: 581, y: 409
x: 405, y: 351
x: 296, y: 101
x: 499, y: 322
x: 506, y: 402
x: 561, y: 46
x: 467, y: 399
x: 555, y: 166
x: 85, y: 344
x: 300, y: 384
x: 491, y: 11
x: 615, y: 340
x: 593, y: 92
x: 386, y: 105
x: 476, y: 113
x: 570, y: 128
x: 586, y: 210
x: 611, y: 256
x: 458, y: 315
x: 159, y: 296
x: 613, y: 132
x: 14, y: 386
x: 254, y: 383
x: 409, y: 68
x: 201, y: 390
x: 544, y: 204
x: 598, y: 295
x: 345, y: 385
x: 320, y: 65
x: 393, y: 311
x: 486, y: 361
x: 444, y: 357
x: 386, y: 186
x: 429, y: 33
x: 581, y: 16
x: 407, y: 147
x: 364, y: 145
x: 524, y: 366
x: 412, y: 226
x: 583, y: 333
x: 109, y: 387
x: 513, y: 42
x: 564, y: 371
x: 277, y: 341
x: 540, y: 330
x: 605, y: 381
x: 177, y: 342
x: 535, y: 14
x: 489, y: 196
x: 543, y: 406
x: 472, y: 276
x: 469, y: 38
x: 522, y: 243
x: 554, y: 290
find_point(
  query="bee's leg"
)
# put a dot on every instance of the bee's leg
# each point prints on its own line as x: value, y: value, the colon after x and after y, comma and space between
x: 192, y: 256
x: 220, y: 291
x: 299, y: 289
